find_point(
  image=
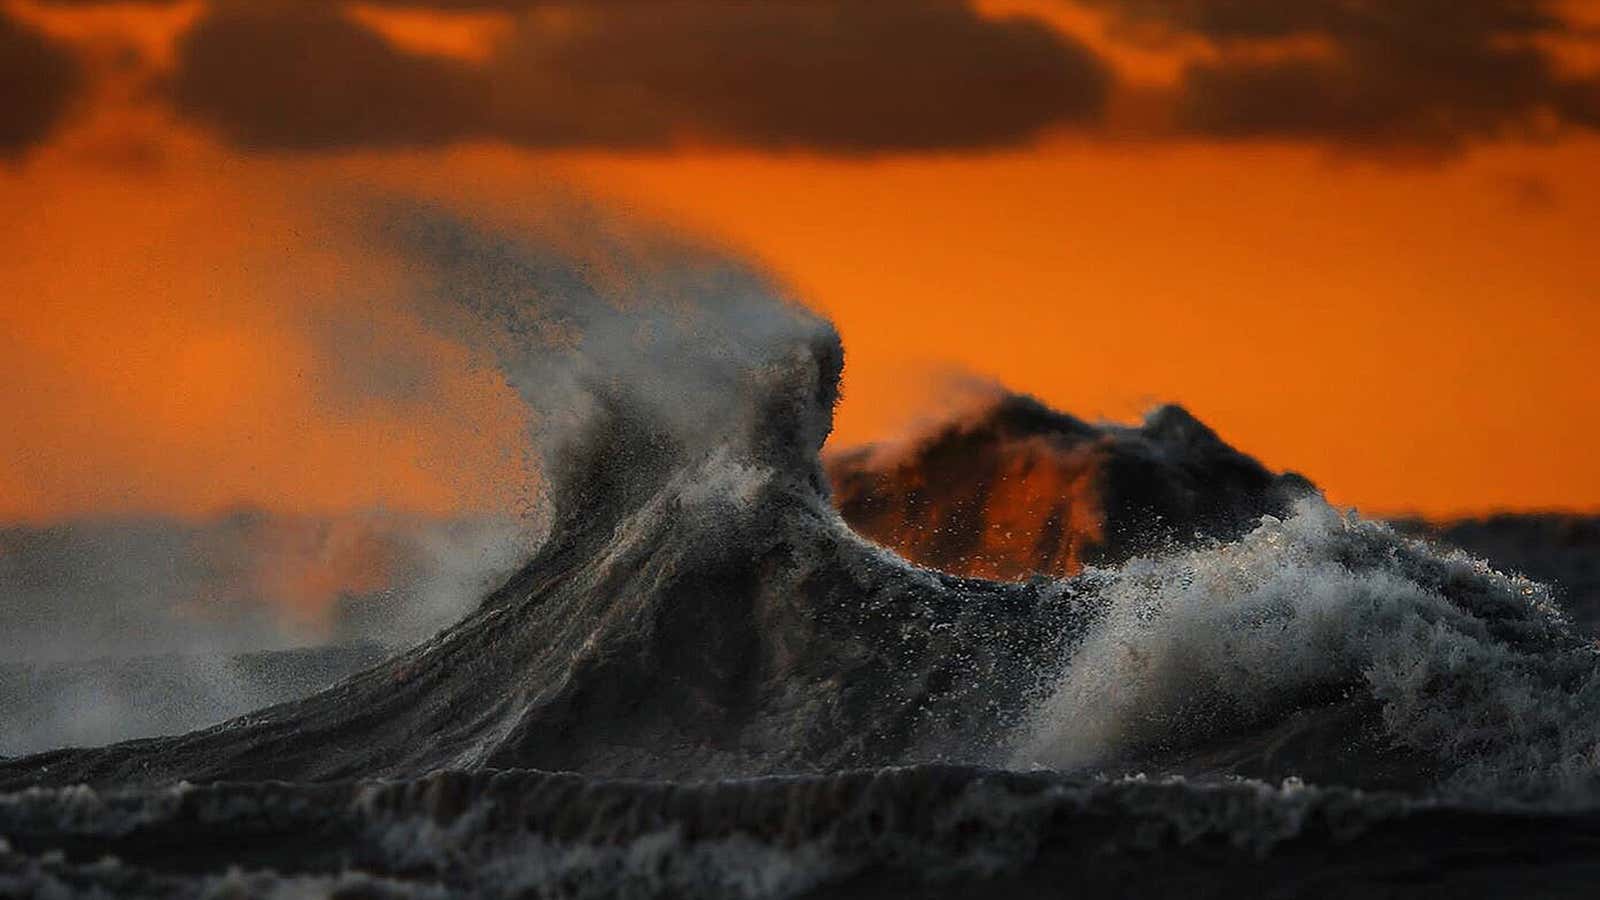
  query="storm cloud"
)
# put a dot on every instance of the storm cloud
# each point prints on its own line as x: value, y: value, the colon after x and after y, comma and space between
x: 847, y: 77
x: 41, y: 79
x: 823, y: 75
x: 1423, y: 74
x: 310, y: 78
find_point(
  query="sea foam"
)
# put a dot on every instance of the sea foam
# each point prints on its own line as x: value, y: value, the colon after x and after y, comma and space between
x: 1473, y: 668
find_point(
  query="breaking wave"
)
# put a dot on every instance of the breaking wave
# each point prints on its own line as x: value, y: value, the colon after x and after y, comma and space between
x: 1476, y: 673
x: 755, y: 701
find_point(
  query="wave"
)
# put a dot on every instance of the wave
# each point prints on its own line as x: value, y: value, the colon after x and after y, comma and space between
x: 703, y: 611
x: 1474, y: 679
x: 700, y: 616
x: 926, y: 831
x: 698, y: 608
x: 1013, y: 488
x: 1559, y: 549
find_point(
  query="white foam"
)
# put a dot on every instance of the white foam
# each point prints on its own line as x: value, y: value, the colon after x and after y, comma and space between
x: 1472, y: 666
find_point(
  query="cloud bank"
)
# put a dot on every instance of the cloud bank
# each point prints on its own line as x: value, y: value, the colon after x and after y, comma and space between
x: 1428, y: 75
x: 832, y: 75
x: 850, y: 77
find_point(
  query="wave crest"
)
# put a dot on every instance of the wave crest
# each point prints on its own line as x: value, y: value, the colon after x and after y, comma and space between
x: 1474, y: 674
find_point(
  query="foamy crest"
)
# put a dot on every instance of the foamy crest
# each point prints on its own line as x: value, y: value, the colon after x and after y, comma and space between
x: 1470, y: 667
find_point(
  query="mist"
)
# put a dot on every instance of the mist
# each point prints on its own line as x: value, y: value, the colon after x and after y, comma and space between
x: 126, y: 624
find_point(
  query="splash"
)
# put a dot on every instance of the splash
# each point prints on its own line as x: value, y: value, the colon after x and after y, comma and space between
x: 1007, y: 488
x: 1476, y: 670
x: 519, y: 335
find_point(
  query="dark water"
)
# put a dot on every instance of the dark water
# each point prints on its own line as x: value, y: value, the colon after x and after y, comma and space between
x: 921, y: 831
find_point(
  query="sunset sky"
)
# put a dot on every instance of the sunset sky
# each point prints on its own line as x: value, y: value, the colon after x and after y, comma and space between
x: 1361, y: 239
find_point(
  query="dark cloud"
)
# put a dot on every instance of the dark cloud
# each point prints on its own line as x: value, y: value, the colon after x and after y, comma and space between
x: 864, y: 76
x: 1231, y: 19
x: 304, y: 79
x: 1428, y: 74
x: 826, y: 75
x: 445, y: 5
x: 835, y: 75
x: 1370, y: 96
x: 40, y: 79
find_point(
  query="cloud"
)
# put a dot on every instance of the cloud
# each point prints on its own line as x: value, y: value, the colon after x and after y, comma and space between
x: 1429, y: 75
x: 822, y: 75
x: 41, y: 79
x: 305, y: 79
x: 1422, y: 77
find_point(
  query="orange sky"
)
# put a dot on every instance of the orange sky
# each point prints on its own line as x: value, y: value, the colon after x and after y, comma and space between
x: 1413, y: 336
x: 1412, y: 339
